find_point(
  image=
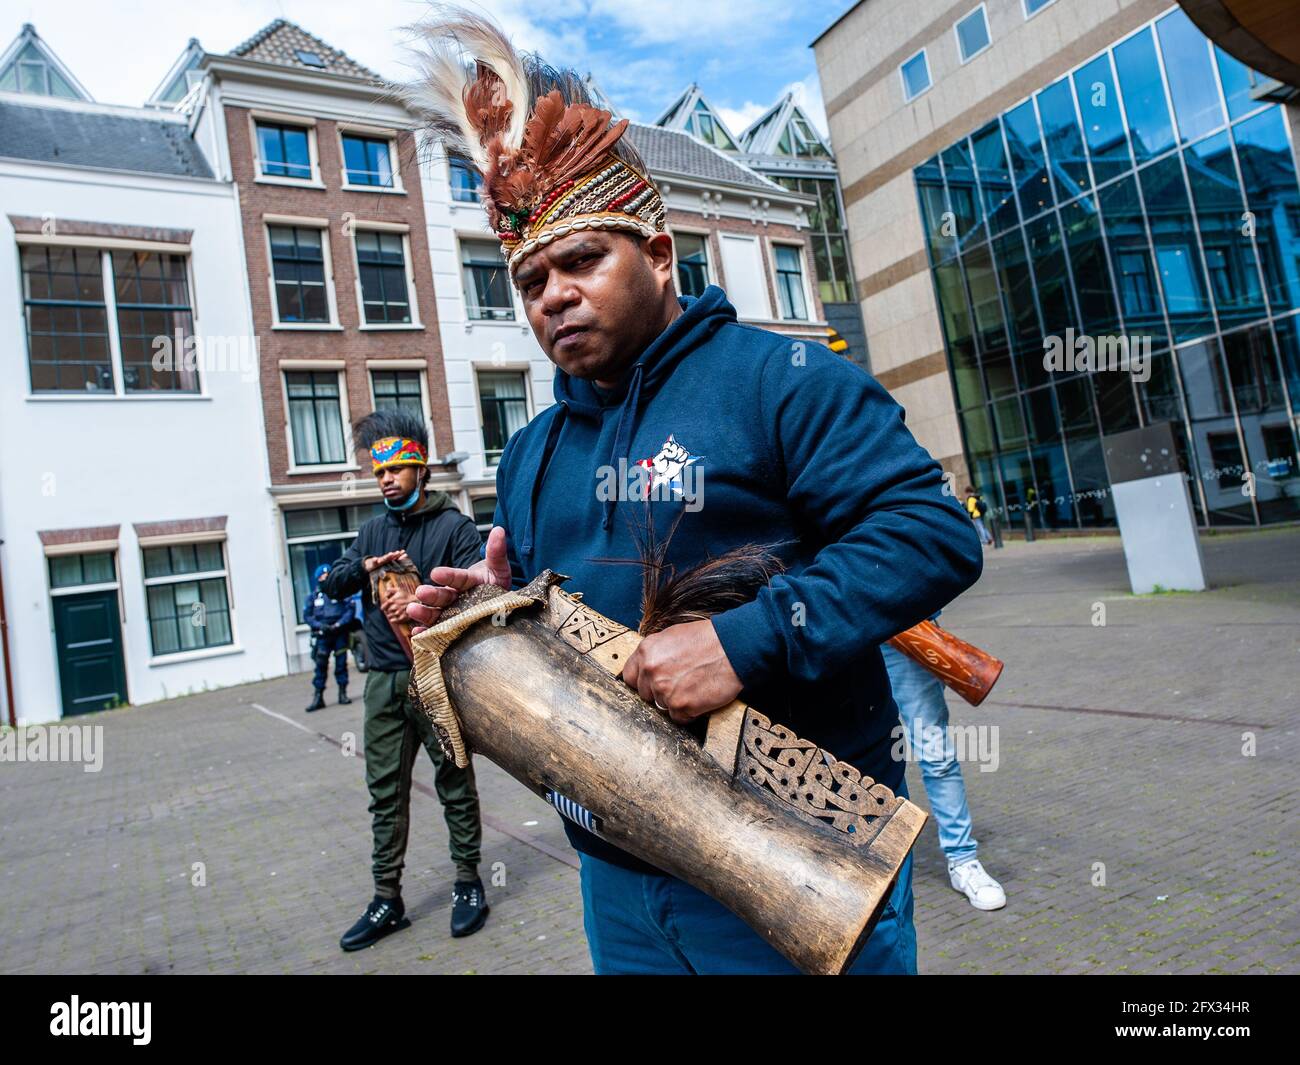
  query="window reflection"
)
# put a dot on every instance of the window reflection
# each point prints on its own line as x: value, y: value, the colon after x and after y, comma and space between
x: 1177, y: 257
x: 1028, y: 160
x: 1191, y: 80
x: 1150, y: 130
x: 1040, y: 227
x: 1103, y: 126
x: 1268, y: 172
x: 1220, y: 212
x: 1064, y: 143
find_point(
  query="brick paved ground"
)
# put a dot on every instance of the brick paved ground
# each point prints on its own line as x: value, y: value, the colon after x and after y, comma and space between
x: 1119, y: 745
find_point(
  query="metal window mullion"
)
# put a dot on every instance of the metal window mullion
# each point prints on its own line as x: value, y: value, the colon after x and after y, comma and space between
x: 1136, y: 176
x: 1270, y: 317
x: 1101, y: 222
x: 110, y: 313
x: 1200, y: 251
x: 1021, y: 227
x: 180, y: 578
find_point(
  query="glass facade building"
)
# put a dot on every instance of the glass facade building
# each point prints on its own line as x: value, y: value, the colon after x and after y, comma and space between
x: 1147, y: 201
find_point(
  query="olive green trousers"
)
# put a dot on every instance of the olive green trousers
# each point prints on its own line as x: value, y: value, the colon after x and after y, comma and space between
x: 395, y: 729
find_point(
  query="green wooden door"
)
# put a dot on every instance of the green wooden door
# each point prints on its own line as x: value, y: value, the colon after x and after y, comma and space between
x: 89, y: 637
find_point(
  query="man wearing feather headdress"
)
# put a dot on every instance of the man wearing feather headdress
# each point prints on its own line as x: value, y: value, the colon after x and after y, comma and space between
x: 801, y: 449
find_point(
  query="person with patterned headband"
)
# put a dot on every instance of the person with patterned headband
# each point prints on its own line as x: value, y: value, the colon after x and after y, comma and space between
x: 425, y: 527
x: 802, y: 449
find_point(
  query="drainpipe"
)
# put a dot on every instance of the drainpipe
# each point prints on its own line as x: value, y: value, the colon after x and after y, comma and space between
x: 4, y: 650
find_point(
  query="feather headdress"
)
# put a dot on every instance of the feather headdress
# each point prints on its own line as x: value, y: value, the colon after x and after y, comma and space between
x: 552, y: 163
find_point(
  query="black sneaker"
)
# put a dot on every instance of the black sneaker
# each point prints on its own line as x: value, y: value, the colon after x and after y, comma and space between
x: 469, y: 907
x: 382, y: 918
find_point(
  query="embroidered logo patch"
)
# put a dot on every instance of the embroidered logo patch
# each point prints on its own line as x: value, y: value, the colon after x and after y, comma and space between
x: 666, y: 468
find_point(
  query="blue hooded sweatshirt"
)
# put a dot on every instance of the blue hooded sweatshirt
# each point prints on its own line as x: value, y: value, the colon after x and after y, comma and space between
x: 763, y: 439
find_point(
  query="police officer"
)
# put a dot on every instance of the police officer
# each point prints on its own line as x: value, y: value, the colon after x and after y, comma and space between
x: 329, y: 620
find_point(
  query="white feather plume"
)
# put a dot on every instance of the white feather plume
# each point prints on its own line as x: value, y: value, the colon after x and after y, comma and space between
x: 450, y: 40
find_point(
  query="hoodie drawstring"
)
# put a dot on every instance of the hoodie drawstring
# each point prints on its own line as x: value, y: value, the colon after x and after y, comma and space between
x: 623, y: 435
x: 552, y: 439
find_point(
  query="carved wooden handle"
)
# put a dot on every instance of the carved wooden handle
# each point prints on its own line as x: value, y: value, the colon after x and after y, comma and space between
x: 383, y: 582
x: 967, y: 670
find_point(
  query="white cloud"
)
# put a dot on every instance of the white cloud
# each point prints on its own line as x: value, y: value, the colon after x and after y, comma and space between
x: 707, y: 26
x: 739, y: 118
x: 807, y: 94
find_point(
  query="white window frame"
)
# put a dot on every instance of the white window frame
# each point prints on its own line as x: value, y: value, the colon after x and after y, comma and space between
x: 1024, y: 8
x: 799, y: 247
x: 765, y: 276
x: 338, y: 367
x: 417, y: 366
x: 323, y: 224
x: 185, y: 539
x: 929, y: 75
x: 105, y: 246
x: 411, y: 296
x: 370, y: 133
x: 345, y: 538
x: 529, y: 410
x: 709, y: 270
x: 451, y: 189
x: 988, y: 33
x: 106, y: 547
x: 480, y: 237
x: 275, y: 118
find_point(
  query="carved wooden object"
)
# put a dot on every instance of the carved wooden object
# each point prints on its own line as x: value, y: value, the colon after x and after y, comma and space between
x: 797, y: 843
x: 398, y: 575
x: 967, y: 670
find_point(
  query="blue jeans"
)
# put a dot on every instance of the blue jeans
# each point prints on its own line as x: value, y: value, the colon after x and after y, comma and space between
x: 653, y: 924
x: 924, y: 714
x: 982, y: 529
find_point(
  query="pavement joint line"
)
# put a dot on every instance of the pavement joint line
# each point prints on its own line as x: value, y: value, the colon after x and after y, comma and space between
x: 424, y: 789
x: 1146, y: 715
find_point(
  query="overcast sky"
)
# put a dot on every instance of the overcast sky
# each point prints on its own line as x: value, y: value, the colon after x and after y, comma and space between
x: 744, y: 53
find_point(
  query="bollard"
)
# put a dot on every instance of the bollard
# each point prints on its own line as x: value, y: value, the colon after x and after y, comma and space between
x: 996, y: 530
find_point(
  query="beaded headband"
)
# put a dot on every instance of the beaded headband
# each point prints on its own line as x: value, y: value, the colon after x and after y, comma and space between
x: 548, y: 172
x: 396, y: 451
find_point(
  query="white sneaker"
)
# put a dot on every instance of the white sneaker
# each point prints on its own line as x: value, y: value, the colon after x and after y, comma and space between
x: 971, y: 880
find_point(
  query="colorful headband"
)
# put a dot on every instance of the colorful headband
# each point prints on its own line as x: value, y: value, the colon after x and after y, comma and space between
x: 613, y: 196
x: 397, y: 451
x: 547, y: 173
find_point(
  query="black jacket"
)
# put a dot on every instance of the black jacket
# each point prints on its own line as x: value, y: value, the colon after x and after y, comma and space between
x: 436, y: 534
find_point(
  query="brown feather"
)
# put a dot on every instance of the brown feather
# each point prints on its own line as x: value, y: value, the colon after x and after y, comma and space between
x: 487, y: 106
x: 713, y: 586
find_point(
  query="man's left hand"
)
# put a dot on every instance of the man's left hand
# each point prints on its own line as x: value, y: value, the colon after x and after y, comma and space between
x: 683, y: 671
x: 394, y: 606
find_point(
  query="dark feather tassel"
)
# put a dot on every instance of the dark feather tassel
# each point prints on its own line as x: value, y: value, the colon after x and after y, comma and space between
x: 710, y: 587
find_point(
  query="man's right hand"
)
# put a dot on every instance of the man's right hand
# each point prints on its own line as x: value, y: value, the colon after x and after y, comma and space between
x: 447, y: 582
x: 373, y: 562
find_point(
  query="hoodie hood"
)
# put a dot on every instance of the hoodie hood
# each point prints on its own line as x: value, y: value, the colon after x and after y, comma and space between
x: 578, y: 398
x: 435, y: 501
